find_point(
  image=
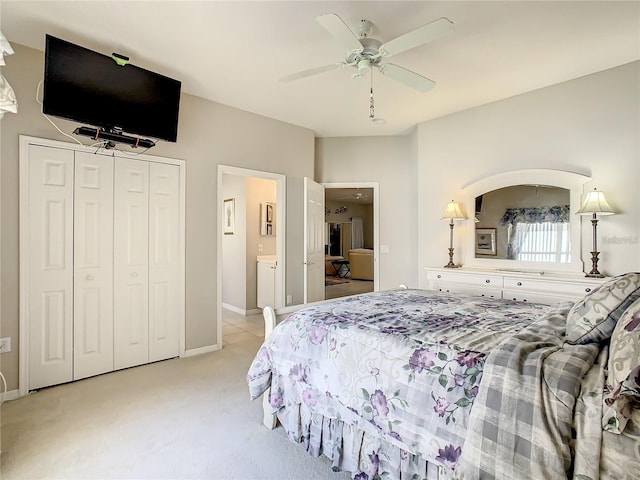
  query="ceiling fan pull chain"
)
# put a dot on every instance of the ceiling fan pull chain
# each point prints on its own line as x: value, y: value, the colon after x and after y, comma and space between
x: 371, y: 108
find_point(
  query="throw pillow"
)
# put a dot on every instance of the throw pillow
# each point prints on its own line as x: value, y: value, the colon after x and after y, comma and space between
x: 593, y: 318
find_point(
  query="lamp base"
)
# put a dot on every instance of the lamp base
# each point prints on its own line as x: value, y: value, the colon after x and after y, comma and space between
x: 594, y: 273
x: 451, y: 264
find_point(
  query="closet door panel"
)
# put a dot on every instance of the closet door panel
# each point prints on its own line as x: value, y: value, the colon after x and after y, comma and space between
x: 164, y: 262
x: 50, y: 269
x: 131, y: 263
x: 93, y: 257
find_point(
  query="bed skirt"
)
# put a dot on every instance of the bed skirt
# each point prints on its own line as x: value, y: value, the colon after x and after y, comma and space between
x: 355, y: 449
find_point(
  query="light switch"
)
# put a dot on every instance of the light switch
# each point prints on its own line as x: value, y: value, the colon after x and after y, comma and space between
x: 384, y: 248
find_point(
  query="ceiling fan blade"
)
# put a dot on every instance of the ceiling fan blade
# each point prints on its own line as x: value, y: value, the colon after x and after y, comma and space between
x: 407, y: 77
x: 339, y: 30
x: 312, y: 71
x: 419, y: 36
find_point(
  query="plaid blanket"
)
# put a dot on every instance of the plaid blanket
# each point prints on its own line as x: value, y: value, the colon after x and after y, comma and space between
x: 521, y: 424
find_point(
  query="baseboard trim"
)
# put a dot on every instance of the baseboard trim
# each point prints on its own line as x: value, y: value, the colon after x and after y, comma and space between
x: 201, y: 350
x: 10, y: 395
x: 233, y: 308
x: 241, y: 311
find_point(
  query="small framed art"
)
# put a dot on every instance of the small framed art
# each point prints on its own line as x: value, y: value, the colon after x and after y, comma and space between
x: 229, y: 215
x: 486, y: 241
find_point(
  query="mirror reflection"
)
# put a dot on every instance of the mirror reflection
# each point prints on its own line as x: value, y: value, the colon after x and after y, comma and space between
x: 528, y: 223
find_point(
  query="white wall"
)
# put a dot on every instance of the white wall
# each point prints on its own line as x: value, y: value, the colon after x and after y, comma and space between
x: 589, y: 125
x: 391, y: 162
x: 234, y: 247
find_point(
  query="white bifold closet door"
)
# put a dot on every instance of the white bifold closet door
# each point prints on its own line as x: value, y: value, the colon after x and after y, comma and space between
x: 146, y: 262
x: 93, y: 269
x: 102, y: 263
x: 50, y: 268
x: 131, y: 263
x: 164, y: 261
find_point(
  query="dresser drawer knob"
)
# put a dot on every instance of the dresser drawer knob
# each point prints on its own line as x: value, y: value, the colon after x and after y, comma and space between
x: 487, y: 281
x: 587, y: 289
x: 519, y: 284
x: 439, y: 276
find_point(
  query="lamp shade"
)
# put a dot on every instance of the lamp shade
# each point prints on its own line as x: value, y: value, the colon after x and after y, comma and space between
x: 594, y: 202
x: 453, y: 212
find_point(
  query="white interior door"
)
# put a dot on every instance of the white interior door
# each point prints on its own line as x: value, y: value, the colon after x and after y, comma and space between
x: 50, y: 270
x: 131, y: 263
x: 313, y: 241
x: 93, y: 269
x: 164, y: 261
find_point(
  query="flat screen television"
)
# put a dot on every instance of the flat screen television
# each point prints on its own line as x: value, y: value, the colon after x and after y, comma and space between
x: 89, y: 87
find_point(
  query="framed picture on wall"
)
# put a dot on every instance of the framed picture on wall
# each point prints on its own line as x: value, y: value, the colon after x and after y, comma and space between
x: 229, y: 215
x: 486, y: 241
x: 267, y: 219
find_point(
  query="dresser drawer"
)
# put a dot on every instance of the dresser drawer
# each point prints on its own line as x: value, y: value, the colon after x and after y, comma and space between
x: 536, y: 297
x: 569, y: 289
x: 480, y: 280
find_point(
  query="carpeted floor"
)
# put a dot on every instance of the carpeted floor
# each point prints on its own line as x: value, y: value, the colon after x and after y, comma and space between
x: 351, y: 287
x: 181, y: 418
x: 335, y: 280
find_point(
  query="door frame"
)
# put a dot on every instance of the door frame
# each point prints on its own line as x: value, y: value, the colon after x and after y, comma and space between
x: 23, y: 203
x: 281, y: 218
x: 375, y: 186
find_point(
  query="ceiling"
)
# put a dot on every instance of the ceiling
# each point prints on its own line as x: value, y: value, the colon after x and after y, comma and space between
x: 235, y: 52
x: 349, y: 195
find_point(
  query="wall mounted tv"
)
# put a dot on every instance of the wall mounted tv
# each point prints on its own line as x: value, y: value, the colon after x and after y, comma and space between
x: 89, y: 87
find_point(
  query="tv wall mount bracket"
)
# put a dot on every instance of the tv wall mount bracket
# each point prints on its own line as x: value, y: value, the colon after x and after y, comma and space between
x: 113, y: 136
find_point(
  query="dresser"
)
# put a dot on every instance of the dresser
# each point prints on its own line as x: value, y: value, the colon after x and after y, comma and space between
x: 513, y: 285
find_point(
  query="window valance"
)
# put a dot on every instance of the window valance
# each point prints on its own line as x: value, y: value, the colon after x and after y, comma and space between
x: 555, y: 214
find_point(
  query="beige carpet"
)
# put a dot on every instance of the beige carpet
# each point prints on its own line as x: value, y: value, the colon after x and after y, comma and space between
x: 181, y: 418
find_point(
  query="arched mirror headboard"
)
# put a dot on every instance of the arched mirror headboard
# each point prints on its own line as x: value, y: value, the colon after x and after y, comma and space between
x: 513, y: 207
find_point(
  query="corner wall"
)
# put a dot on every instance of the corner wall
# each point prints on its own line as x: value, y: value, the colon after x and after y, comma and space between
x: 391, y: 161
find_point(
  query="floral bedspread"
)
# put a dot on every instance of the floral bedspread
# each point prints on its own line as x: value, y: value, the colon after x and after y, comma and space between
x: 403, y: 365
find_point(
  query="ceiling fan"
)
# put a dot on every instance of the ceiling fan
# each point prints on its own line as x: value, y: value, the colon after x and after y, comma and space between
x: 357, y: 195
x: 365, y: 53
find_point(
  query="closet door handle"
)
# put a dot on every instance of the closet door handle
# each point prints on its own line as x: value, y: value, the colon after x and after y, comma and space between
x: 134, y: 274
x: 89, y: 277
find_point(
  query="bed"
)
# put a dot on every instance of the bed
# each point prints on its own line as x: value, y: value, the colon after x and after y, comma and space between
x: 413, y: 384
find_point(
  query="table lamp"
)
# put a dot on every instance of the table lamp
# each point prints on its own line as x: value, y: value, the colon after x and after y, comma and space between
x: 452, y: 213
x: 595, y: 204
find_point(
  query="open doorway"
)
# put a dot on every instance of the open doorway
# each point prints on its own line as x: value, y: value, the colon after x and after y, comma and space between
x: 251, y: 231
x: 351, y: 239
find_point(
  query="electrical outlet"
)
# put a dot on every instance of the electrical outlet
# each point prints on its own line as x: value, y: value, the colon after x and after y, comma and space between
x: 289, y: 299
x: 5, y: 344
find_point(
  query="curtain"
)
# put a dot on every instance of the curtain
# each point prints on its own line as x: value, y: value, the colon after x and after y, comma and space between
x: 8, y: 102
x: 556, y: 214
x: 357, y: 232
x: 538, y: 233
